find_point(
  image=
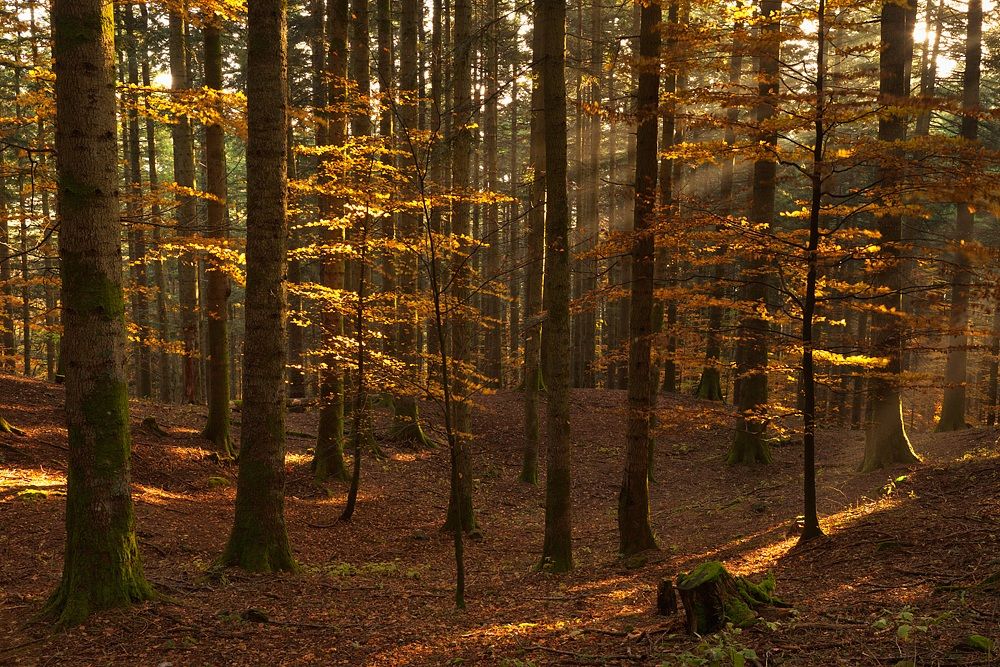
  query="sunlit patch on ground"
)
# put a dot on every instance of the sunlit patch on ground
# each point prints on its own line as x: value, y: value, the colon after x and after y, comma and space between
x: 189, y: 453
x: 24, y: 481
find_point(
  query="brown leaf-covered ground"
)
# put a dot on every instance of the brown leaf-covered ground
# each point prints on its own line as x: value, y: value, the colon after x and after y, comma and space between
x: 905, y: 573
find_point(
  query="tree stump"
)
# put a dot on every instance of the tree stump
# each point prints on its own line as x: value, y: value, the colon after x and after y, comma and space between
x: 666, y: 601
x: 712, y: 598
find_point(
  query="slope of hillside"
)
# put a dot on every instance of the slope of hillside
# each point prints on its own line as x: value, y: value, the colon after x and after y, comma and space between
x: 906, y: 573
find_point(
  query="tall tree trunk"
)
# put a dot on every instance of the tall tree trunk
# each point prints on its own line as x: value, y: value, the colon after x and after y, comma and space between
x: 710, y: 384
x: 6, y: 295
x: 534, y: 256
x: 183, y: 152
x: 810, y: 528
x: 406, y: 416
x: 590, y: 209
x: 460, y: 509
x: 101, y: 568
x: 164, y: 367
x: 956, y: 370
x: 328, y: 460
x: 751, y: 355
x: 259, y: 540
x: 634, y: 531
x: 885, y: 436
x: 140, y: 301
x: 557, y: 551
x: 492, y: 312
x: 217, y: 282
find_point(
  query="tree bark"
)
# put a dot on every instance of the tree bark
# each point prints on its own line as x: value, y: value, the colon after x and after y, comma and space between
x: 460, y: 509
x: 102, y: 567
x: 259, y: 539
x: 885, y: 436
x: 751, y: 355
x: 217, y: 283
x: 328, y: 460
x: 557, y: 551
x: 956, y: 370
x: 634, y: 531
x: 183, y: 152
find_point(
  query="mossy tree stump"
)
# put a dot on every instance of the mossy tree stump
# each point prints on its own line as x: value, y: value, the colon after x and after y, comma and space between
x: 712, y: 598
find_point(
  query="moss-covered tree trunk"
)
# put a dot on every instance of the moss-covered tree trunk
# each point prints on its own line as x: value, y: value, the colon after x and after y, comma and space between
x: 183, y: 153
x: 259, y: 540
x: 749, y: 445
x: 328, y: 460
x: 885, y: 437
x: 102, y: 568
x: 557, y: 550
x: 216, y: 302
x: 954, y: 405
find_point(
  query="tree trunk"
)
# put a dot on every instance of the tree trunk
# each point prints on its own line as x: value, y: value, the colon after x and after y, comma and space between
x: 492, y: 313
x: 6, y: 296
x: 164, y: 367
x: 406, y: 416
x: 634, y: 531
x: 460, y: 512
x: 954, y: 405
x: 885, y: 436
x: 534, y: 256
x: 328, y: 460
x: 101, y: 568
x: 183, y: 152
x: 710, y: 384
x: 751, y: 356
x: 557, y: 551
x: 140, y: 302
x: 217, y: 283
x: 259, y: 540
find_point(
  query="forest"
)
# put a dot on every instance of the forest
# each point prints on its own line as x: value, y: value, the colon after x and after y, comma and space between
x: 446, y: 332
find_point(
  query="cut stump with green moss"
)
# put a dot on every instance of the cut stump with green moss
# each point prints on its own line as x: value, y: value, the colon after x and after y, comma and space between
x: 712, y: 597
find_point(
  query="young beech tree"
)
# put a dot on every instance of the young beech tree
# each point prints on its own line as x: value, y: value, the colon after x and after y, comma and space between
x: 102, y: 567
x: 885, y: 437
x: 634, y: 531
x: 259, y: 540
x: 557, y: 551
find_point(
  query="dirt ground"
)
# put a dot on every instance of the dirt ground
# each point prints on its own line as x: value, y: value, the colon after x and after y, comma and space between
x: 906, y: 573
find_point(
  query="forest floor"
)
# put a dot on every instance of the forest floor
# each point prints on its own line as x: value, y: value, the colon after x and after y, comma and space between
x: 906, y: 572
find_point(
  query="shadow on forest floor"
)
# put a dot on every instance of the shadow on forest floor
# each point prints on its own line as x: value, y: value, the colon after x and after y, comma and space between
x: 905, y: 572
